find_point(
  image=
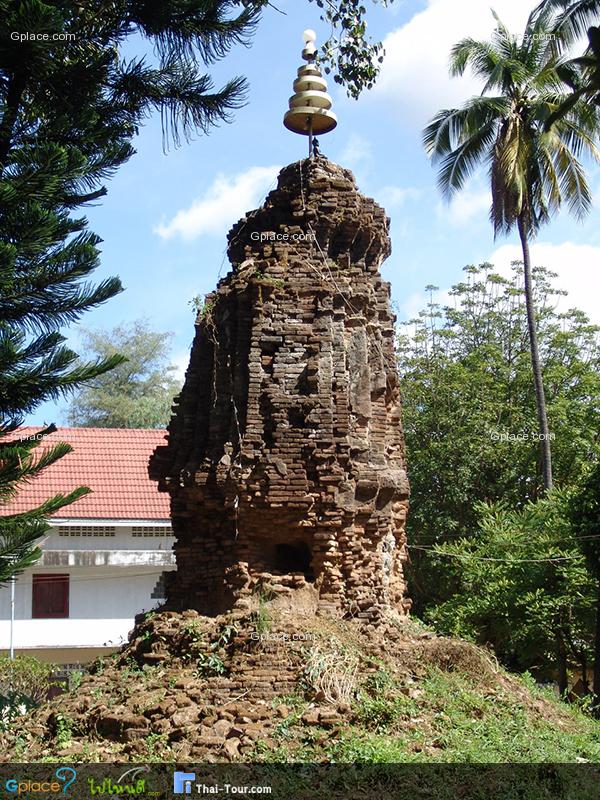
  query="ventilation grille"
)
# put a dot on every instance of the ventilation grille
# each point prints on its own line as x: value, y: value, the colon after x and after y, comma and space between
x: 150, y: 530
x: 87, y: 530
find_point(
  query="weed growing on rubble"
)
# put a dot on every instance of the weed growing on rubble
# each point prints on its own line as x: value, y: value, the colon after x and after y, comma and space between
x: 212, y: 662
x: 269, y: 280
x: 330, y: 671
x: 63, y: 731
x: 378, y: 682
x: 156, y: 747
x: 132, y: 669
x: 261, y: 618
x: 194, y: 637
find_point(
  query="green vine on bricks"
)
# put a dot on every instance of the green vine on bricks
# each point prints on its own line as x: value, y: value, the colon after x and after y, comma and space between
x: 192, y: 639
x: 212, y: 662
x: 157, y: 747
x: 203, y: 308
x: 268, y: 280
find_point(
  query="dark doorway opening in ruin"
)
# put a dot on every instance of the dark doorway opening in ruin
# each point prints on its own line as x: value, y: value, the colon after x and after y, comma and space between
x: 295, y: 557
x: 267, y: 412
x: 296, y: 418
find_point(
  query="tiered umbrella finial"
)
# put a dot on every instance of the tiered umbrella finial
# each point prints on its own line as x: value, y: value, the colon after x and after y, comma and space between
x: 310, y: 106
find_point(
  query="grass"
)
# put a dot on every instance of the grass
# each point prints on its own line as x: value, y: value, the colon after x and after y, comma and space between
x: 414, y: 701
x: 452, y: 720
x: 450, y: 736
x: 448, y: 717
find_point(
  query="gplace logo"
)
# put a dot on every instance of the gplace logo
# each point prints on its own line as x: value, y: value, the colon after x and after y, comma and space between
x: 182, y: 782
x: 64, y: 778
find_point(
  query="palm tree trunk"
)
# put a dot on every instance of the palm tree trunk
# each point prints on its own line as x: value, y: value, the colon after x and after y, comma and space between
x: 562, y: 674
x: 540, y: 397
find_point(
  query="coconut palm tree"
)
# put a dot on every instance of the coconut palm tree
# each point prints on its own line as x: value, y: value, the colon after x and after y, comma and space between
x: 532, y: 169
x: 572, y: 17
x: 582, y: 75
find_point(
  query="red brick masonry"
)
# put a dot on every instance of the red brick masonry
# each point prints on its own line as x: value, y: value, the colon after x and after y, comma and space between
x: 285, y: 460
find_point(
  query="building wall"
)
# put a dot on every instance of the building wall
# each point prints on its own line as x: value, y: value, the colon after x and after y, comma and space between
x: 111, y: 579
x: 120, y: 536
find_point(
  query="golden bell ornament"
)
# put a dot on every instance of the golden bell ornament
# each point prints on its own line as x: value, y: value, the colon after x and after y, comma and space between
x: 310, y: 106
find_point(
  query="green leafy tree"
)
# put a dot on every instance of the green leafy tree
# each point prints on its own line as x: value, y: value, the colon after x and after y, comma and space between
x: 469, y: 409
x: 354, y: 58
x: 136, y: 394
x: 525, y: 588
x: 533, y: 169
x: 585, y: 517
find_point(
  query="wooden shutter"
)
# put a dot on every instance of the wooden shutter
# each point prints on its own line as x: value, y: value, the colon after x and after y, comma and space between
x: 50, y: 598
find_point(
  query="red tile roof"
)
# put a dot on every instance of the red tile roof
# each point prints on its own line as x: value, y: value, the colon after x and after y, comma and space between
x: 113, y: 462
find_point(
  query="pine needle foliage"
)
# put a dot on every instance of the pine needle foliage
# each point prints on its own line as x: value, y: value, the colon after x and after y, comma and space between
x: 70, y: 106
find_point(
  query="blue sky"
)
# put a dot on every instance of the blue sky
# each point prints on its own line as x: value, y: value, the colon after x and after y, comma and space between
x: 166, y: 216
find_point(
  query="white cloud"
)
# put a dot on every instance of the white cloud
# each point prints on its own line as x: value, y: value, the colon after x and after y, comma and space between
x: 228, y: 199
x: 180, y: 361
x: 357, y: 152
x: 466, y: 206
x: 414, y: 78
x: 397, y: 195
x: 577, y: 265
x: 416, y: 302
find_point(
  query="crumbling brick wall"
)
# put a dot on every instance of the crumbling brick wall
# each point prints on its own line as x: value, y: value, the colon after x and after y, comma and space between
x: 285, y: 458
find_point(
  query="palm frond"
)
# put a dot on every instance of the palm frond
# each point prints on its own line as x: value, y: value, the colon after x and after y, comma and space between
x: 533, y: 135
x: 480, y: 56
x: 459, y: 164
x: 572, y: 18
x: 579, y: 131
x: 450, y: 127
x: 573, y: 183
x: 548, y: 188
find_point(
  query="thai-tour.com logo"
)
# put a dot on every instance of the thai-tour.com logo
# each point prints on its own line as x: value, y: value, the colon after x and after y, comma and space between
x: 185, y: 783
x: 58, y: 784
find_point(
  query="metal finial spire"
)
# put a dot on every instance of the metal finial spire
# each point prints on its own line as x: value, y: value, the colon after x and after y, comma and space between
x: 310, y: 106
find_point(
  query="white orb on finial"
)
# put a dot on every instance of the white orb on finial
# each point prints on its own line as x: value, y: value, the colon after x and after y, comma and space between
x: 309, y: 36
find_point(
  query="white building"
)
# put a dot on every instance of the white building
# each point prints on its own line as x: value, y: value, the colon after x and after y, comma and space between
x: 104, y: 559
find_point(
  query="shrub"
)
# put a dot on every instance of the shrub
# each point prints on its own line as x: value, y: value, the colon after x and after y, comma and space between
x: 24, y: 683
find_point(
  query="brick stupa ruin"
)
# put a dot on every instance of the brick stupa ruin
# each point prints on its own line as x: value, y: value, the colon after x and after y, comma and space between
x: 285, y: 459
